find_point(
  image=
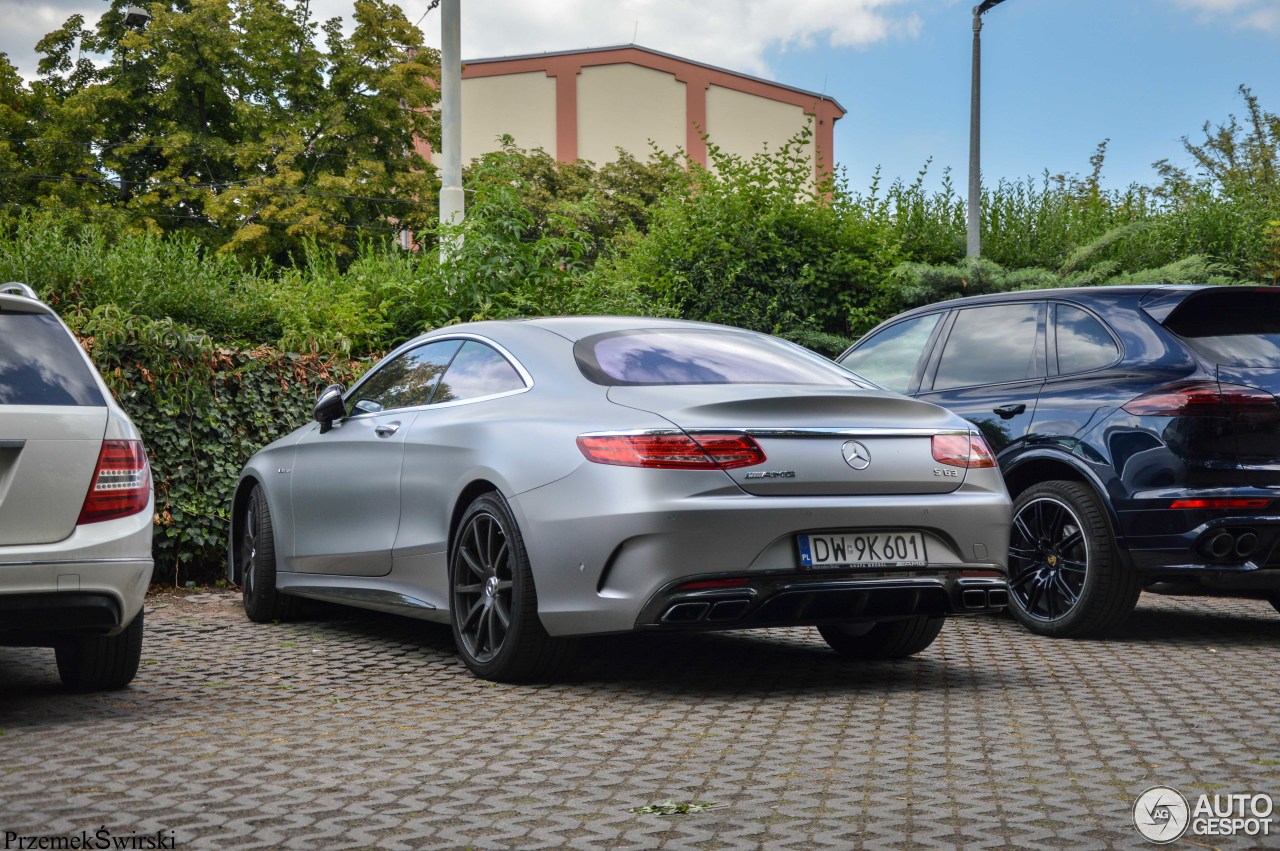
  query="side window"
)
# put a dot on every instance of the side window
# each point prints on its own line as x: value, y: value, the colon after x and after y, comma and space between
x: 989, y: 345
x: 406, y: 381
x: 890, y: 357
x: 1083, y: 341
x: 477, y: 371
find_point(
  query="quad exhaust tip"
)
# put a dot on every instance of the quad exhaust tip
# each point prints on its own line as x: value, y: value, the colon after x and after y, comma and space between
x: 1227, y: 543
x: 686, y: 613
x: 977, y: 598
x: 717, y: 611
x: 1246, y: 543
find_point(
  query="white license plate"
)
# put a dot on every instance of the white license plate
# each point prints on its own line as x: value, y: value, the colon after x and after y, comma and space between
x: 872, y: 548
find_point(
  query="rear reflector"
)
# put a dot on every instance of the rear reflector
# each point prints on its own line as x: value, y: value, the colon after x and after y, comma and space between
x: 707, y: 584
x: 963, y: 450
x: 1220, y: 503
x: 121, y: 483
x: 672, y: 450
x: 1202, y: 399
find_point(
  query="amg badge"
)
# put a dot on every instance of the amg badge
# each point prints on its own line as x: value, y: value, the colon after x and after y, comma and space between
x: 772, y: 474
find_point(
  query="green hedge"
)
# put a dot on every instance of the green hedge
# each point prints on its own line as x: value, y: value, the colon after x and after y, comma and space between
x: 202, y: 410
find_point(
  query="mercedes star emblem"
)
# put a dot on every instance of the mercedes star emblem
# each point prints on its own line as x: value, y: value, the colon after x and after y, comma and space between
x: 856, y: 455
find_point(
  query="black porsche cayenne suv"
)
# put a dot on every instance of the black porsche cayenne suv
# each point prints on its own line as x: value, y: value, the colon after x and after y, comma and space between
x: 1137, y: 427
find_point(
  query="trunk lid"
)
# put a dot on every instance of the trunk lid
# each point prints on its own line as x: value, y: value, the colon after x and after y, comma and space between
x: 53, y: 418
x: 47, y: 458
x: 1257, y: 429
x: 806, y: 433
x: 1237, y: 331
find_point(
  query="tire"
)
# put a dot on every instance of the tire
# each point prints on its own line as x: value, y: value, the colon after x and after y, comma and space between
x: 1066, y: 578
x: 492, y: 601
x: 1274, y: 598
x: 256, y: 556
x: 101, y: 662
x: 885, y: 640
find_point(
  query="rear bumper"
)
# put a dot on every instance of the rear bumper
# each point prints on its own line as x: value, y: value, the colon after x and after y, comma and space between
x: 40, y: 619
x: 807, y: 599
x: 95, y: 581
x: 1218, y: 548
x: 41, y: 601
x: 608, y: 544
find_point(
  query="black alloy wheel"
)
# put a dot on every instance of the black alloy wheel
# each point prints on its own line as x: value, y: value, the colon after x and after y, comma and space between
x: 1065, y: 577
x: 256, y: 557
x: 493, y: 604
x: 1049, y: 558
x: 482, y: 586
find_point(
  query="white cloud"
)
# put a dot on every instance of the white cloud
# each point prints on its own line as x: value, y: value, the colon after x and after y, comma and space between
x: 28, y: 21
x: 735, y: 34
x: 1246, y: 14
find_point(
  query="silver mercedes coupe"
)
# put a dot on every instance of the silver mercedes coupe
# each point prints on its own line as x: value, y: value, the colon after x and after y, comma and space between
x: 537, y: 480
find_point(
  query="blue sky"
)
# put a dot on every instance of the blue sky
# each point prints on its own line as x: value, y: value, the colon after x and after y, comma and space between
x: 1059, y: 75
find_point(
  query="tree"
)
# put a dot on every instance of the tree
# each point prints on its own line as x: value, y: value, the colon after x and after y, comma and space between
x: 243, y: 122
x: 600, y: 202
x: 17, y: 119
x: 753, y: 243
x: 1228, y: 205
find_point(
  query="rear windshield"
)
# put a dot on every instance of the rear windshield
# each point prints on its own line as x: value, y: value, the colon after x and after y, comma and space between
x: 700, y: 356
x: 1231, y: 328
x: 40, y: 364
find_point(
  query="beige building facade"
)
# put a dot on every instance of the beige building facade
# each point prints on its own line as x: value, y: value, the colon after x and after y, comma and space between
x: 587, y: 104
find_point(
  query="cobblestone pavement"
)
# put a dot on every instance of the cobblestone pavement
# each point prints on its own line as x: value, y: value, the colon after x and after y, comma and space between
x: 363, y: 730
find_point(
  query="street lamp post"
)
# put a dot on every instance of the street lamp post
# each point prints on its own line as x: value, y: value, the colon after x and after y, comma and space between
x: 974, y: 247
x: 136, y: 16
x: 451, y: 195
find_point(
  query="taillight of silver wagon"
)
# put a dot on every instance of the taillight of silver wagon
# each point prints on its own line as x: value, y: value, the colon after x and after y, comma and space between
x: 121, y: 483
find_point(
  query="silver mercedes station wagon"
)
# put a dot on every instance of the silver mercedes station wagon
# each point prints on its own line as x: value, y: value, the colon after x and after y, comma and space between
x: 75, y: 503
x: 534, y: 481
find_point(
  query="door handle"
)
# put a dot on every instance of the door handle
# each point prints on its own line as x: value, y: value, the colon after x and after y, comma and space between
x: 386, y: 430
x: 1009, y: 411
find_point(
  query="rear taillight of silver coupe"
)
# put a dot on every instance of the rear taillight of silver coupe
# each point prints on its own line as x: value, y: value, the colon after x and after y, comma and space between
x: 963, y: 450
x: 121, y: 483
x: 672, y: 450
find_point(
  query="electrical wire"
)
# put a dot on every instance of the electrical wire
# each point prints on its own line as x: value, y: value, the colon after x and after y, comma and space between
x: 138, y: 216
x: 18, y: 175
x: 259, y: 182
x: 433, y: 4
x: 271, y: 149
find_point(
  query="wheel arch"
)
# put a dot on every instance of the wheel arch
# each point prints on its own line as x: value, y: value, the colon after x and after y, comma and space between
x: 468, y: 495
x: 239, y: 500
x: 1042, y: 466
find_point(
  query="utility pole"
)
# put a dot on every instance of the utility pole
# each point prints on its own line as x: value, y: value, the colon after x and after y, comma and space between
x: 452, y: 200
x: 974, y: 246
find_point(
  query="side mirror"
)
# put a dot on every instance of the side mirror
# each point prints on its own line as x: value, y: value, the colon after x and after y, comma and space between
x: 329, y: 407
